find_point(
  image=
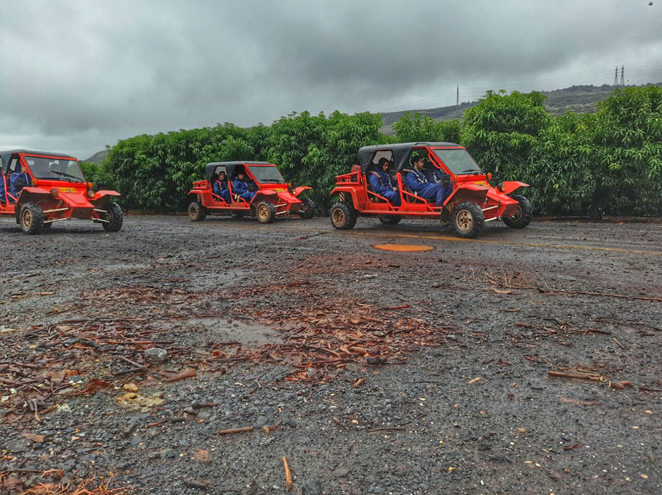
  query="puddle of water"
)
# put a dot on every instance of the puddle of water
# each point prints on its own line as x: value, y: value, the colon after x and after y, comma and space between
x: 235, y: 331
x: 403, y: 248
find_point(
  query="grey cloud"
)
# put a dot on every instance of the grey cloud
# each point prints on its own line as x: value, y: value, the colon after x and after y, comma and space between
x: 77, y: 75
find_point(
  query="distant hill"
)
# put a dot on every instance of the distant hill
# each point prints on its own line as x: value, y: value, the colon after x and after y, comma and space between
x: 97, y: 157
x: 580, y: 99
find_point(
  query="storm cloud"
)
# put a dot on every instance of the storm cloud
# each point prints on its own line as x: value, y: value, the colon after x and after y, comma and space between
x: 77, y: 75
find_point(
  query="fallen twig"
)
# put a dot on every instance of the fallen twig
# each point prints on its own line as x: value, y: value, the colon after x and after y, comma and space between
x: 232, y: 431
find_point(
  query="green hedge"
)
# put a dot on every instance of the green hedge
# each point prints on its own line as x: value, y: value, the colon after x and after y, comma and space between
x: 576, y: 164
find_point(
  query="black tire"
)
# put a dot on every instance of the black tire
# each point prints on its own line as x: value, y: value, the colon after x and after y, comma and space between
x: 307, y: 209
x: 237, y: 215
x: 468, y: 220
x: 265, y: 212
x: 31, y: 219
x: 390, y: 220
x: 343, y: 216
x: 196, y: 212
x: 522, y: 216
x: 115, y: 218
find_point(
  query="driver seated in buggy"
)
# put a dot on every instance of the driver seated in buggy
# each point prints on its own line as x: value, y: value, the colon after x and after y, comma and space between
x: 221, y: 187
x: 240, y: 186
x: 383, y: 184
x: 17, y: 182
x: 418, y: 183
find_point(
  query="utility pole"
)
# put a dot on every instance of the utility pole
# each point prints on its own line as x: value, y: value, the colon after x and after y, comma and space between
x: 457, y: 101
x: 616, y: 76
x: 622, y: 75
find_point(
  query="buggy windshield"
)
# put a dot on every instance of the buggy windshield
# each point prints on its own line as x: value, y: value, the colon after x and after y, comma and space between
x: 267, y: 174
x: 55, y: 169
x: 458, y: 161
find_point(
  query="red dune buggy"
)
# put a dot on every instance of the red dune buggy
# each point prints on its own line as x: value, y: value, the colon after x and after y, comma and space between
x: 472, y: 202
x: 42, y: 188
x: 272, y: 198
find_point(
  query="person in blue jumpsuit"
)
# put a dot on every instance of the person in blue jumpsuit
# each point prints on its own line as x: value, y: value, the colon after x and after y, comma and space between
x: 240, y: 187
x: 383, y: 184
x: 221, y: 187
x: 3, y: 196
x: 434, y: 175
x: 419, y: 184
x: 13, y: 187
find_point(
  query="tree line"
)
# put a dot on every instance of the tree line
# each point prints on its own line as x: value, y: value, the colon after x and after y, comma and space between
x: 577, y: 164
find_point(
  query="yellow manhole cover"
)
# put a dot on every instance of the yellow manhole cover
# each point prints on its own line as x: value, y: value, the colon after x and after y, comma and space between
x: 403, y: 248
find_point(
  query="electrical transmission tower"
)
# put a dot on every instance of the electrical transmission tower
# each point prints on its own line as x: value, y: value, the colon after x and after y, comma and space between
x: 622, y: 75
x: 457, y: 100
x: 616, y: 76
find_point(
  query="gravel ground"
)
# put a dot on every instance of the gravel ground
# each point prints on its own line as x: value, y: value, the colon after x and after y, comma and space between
x: 370, y: 371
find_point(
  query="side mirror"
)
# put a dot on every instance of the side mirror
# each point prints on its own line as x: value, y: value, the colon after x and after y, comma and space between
x: 445, y: 180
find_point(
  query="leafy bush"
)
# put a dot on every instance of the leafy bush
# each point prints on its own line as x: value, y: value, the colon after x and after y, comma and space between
x: 575, y: 163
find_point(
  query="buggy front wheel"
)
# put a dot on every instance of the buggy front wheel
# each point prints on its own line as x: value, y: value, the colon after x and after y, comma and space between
x: 307, y: 209
x: 114, y: 217
x: 31, y: 218
x: 265, y: 212
x: 523, y: 214
x: 468, y: 220
x: 343, y: 216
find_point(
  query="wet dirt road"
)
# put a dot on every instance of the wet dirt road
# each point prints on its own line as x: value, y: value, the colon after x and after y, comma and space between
x: 278, y: 324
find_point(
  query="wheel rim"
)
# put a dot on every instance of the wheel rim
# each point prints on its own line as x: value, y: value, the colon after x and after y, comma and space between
x: 338, y: 217
x: 263, y: 212
x: 109, y: 215
x: 304, y: 208
x: 27, y: 219
x: 465, y: 220
x: 193, y: 212
x: 518, y: 213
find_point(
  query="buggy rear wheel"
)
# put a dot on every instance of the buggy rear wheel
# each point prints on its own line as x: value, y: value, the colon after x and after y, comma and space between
x: 307, y: 209
x: 115, y: 218
x: 390, y: 220
x: 196, y: 212
x: 265, y: 212
x: 31, y: 218
x: 523, y: 214
x: 468, y: 220
x: 343, y: 216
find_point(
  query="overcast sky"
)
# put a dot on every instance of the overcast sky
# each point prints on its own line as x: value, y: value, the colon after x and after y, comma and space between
x: 77, y: 75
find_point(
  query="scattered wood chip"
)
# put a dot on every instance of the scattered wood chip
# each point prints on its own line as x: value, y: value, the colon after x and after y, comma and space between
x: 33, y: 438
x: 475, y: 380
x: 288, y: 475
x: 202, y: 456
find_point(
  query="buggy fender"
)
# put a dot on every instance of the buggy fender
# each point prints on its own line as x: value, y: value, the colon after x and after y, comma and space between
x: 270, y: 196
x: 104, y: 196
x: 511, y: 186
x: 33, y: 194
x: 288, y: 197
x: 298, y: 190
x: 466, y: 192
x: 347, y: 190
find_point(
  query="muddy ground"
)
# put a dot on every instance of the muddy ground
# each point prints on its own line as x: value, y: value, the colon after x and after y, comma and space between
x: 273, y: 328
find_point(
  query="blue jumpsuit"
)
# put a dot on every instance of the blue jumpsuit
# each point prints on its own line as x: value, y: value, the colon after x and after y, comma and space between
x: 240, y: 187
x: 221, y: 189
x: 13, y: 191
x: 383, y: 184
x: 2, y: 188
x: 418, y: 183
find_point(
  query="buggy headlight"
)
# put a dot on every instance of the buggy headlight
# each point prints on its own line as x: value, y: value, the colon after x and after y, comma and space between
x: 55, y: 193
x: 500, y: 187
x: 90, y: 193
